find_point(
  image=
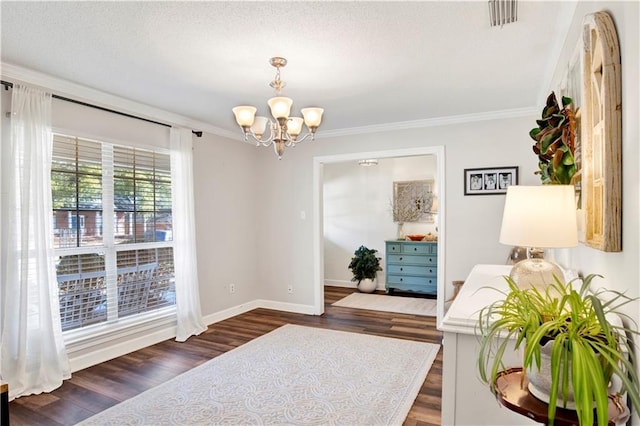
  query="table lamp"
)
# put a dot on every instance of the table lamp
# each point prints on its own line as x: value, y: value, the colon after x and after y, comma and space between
x: 539, y: 217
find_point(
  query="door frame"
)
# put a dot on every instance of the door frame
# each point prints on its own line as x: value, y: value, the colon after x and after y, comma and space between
x: 318, y: 215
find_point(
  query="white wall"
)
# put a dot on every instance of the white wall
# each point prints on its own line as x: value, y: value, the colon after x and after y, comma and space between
x: 472, y: 222
x: 357, y: 210
x: 226, y: 221
x: 620, y: 270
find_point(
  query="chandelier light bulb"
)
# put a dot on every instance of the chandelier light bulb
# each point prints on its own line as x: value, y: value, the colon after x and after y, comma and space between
x: 259, y: 125
x: 294, y: 126
x: 312, y: 116
x: 280, y: 107
x: 244, y: 115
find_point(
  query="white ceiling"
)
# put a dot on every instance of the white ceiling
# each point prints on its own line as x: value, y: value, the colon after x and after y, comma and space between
x: 366, y: 63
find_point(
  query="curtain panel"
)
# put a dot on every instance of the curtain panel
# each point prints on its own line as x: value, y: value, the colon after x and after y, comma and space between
x: 32, y: 351
x: 188, y: 313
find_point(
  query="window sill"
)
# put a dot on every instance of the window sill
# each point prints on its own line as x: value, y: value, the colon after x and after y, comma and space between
x: 100, y: 342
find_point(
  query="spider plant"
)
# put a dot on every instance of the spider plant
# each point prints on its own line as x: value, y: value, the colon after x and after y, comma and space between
x: 587, y: 350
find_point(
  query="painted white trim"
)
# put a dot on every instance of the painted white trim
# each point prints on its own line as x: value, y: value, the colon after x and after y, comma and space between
x: 287, y: 307
x: 102, y: 347
x: 431, y: 122
x: 341, y: 283
x: 104, y: 352
x: 87, y: 94
x: 93, y: 96
x: 318, y: 235
x: 230, y: 312
x: 100, y: 343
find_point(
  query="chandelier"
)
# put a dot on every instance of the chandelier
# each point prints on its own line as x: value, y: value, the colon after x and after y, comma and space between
x: 284, y: 131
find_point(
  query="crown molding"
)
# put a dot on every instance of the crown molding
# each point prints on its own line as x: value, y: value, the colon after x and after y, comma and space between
x: 86, y: 94
x: 433, y: 122
x: 82, y: 93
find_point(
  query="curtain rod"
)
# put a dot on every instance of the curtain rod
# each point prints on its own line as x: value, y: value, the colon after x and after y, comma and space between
x: 8, y: 84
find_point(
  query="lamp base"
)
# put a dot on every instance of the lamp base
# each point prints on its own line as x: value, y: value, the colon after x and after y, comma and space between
x: 535, y: 273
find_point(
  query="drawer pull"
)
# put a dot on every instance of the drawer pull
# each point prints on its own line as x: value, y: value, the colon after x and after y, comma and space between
x: 401, y: 279
x: 415, y: 249
x: 401, y: 269
x: 400, y: 258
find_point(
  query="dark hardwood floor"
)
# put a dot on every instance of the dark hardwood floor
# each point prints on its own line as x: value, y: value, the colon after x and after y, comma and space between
x: 99, y: 387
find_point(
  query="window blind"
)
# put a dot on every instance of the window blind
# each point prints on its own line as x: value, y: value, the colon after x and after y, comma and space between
x: 120, y: 267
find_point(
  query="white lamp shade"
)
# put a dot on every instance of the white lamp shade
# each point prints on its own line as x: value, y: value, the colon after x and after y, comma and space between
x: 259, y: 125
x: 294, y: 126
x: 312, y: 116
x: 540, y: 216
x: 280, y: 106
x: 244, y: 115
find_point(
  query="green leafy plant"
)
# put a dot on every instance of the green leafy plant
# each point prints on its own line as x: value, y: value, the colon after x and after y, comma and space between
x: 555, y: 142
x: 587, y: 347
x: 364, y: 264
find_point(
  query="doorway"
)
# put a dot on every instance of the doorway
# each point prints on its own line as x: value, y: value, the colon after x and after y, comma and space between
x: 318, y: 200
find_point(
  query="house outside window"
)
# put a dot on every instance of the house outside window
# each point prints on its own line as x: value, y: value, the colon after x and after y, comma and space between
x: 110, y: 270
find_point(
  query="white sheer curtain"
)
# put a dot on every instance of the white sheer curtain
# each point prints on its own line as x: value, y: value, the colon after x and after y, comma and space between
x: 184, y: 236
x: 32, y: 353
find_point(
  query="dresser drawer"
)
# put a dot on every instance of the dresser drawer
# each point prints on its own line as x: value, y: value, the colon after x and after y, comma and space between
x: 416, y: 248
x: 394, y: 248
x: 422, y: 281
x: 427, y: 271
x: 409, y: 259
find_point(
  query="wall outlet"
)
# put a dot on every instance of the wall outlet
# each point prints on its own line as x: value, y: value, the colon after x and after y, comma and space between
x: 232, y: 288
x: 290, y: 289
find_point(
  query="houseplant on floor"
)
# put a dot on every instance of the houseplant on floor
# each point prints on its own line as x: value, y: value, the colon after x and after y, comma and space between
x: 365, y: 266
x: 577, y: 332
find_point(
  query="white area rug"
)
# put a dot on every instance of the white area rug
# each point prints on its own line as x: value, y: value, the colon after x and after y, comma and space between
x: 382, y: 302
x: 294, y: 375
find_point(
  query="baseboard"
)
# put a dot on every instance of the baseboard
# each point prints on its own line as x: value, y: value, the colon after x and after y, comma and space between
x: 230, y: 312
x: 84, y: 355
x: 340, y: 283
x: 287, y: 307
x: 350, y: 284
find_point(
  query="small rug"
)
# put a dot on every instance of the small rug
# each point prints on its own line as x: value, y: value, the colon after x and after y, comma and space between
x: 383, y: 302
x: 294, y: 375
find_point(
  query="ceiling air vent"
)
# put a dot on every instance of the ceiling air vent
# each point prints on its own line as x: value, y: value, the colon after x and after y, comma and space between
x: 502, y: 12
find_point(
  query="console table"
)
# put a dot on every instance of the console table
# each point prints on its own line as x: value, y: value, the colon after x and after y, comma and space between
x: 411, y: 266
x: 465, y: 399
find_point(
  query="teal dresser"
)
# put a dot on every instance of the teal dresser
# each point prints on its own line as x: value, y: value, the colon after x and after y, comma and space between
x: 411, y: 266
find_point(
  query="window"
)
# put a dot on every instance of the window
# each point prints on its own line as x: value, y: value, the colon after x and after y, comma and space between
x: 111, y: 269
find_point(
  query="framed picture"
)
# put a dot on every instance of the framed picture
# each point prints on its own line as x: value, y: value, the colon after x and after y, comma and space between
x: 414, y: 201
x: 489, y: 181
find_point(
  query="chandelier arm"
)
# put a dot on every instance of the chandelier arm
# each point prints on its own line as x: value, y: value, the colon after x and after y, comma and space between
x: 305, y: 137
x: 259, y: 141
x: 264, y: 140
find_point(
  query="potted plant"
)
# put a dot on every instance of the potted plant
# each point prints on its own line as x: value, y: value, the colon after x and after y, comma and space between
x: 364, y: 266
x: 579, y: 334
